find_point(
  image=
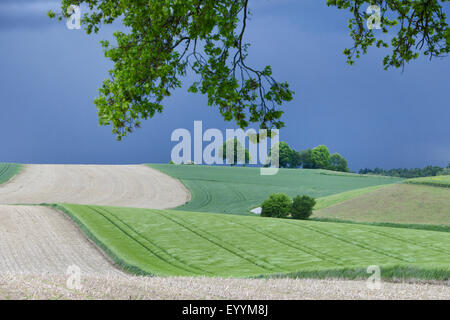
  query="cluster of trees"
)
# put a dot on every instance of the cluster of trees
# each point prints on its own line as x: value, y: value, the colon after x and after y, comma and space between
x: 316, y: 158
x: 279, y: 205
x: 428, y: 171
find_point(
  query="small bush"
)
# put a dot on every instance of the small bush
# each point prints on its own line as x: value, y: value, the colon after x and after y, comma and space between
x: 302, y: 207
x: 278, y: 205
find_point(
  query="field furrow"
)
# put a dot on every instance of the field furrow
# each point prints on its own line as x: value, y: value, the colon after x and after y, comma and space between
x: 242, y: 246
x: 220, y: 242
x: 301, y: 247
x: 147, y: 243
x: 358, y: 243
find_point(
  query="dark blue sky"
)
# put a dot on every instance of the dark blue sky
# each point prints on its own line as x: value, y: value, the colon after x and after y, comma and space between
x: 49, y: 77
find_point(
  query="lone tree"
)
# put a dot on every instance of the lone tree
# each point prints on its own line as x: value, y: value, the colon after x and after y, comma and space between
x: 165, y: 38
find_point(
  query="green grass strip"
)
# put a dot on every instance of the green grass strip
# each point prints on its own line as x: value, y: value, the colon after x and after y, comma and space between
x: 388, y: 273
x: 8, y: 170
x: 437, y: 181
x: 428, y: 227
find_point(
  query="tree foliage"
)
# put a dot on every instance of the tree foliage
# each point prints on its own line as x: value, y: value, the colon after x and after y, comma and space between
x: 420, y: 26
x: 338, y: 163
x: 306, y: 159
x: 278, y: 205
x: 285, y: 154
x: 302, y: 207
x: 165, y: 39
x: 287, y: 157
x: 428, y: 171
x: 320, y: 157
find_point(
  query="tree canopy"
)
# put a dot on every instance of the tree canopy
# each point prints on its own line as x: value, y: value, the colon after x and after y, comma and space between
x: 419, y: 26
x: 164, y: 39
x: 338, y: 163
x: 320, y: 157
x: 317, y: 158
x: 286, y: 156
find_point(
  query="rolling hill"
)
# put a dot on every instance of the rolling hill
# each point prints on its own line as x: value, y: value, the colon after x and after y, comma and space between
x: 398, y: 203
x: 177, y: 243
x: 240, y: 189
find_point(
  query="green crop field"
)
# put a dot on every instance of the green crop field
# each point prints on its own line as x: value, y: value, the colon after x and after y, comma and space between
x: 240, y: 189
x: 438, y: 181
x: 177, y: 243
x: 8, y: 170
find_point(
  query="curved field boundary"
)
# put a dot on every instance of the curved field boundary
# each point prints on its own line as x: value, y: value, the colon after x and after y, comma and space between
x: 176, y: 243
x: 438, y: 181
x: 237, y: 190
x: 146, y: 243
x: 325, y: 202
x: 8, y: 170
x: 39, y: 240
x: 116, y: 185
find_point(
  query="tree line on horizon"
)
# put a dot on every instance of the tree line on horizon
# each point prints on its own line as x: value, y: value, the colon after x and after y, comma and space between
x: 428, y: 171
x: 321, y: 158
x: 316, y: 158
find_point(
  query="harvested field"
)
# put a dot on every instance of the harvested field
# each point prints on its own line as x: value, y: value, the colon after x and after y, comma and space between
x: 39, y: 240
x: 129, y: 186
x: 129, y: 287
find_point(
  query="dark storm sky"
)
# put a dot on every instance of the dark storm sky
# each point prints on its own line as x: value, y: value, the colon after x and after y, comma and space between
x: 49, y: 77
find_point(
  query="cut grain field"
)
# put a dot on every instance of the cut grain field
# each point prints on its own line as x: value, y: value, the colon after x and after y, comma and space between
x: 188, y: 288
x: 121, y: 185
x: 176, y: 243
x: 239, y: 189
x: 38, y: 240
